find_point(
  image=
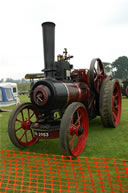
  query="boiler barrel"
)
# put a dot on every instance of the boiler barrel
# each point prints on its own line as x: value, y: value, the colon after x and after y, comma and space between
x: 49, y: 95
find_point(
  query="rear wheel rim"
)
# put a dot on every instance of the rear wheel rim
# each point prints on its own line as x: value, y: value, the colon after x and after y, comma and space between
x: 97, y: 74
x: 78, y: 131
x: 24, y: 134
x: 116, y: 104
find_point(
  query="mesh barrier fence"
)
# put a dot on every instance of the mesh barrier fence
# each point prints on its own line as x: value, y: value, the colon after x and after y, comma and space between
x: 24, y: 172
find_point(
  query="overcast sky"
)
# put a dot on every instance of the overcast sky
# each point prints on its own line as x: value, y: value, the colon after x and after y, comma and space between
x: 87, y: 28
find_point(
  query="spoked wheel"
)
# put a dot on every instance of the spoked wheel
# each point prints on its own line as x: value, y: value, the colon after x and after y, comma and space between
x: 127, y: 91
x: 19, y: 124
x: 97, y: 74
x: 74, y: 129
x: 110, y: 103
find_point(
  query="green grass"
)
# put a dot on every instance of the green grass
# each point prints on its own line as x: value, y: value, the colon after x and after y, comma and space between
x: 101, y: 142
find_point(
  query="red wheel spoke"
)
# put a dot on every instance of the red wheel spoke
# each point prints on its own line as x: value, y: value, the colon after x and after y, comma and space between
x: 78, y: 119
x: 19, y: 120
x: 32, y: 115
x: 115, y: 110
x: 115, y: 91
x: 74, y: 126
x: 101, y: 72
x: 115, y: 94
x: 26, y: 137
x: 117, y: 107
x: 18, y: 129
x: 97, y: 85
x: 71, y: 142
x: 113, y: 98
x: 22, y: 135
x: 22, y: 115
x: 114, y: 115
x: 95, y: 70
x: 28, y: 114
x: 78, y: 114
x: 31, y: 133
x: 95, y: 79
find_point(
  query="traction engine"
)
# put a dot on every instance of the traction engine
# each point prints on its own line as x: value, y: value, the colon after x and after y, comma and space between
x: 63, y: 102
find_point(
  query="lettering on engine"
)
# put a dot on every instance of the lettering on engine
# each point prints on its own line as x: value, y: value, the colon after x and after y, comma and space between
x: 41, y: 134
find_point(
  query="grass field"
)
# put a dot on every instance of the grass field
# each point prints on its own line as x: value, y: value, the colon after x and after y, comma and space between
x: 29, y: 172
x: 101, y: 142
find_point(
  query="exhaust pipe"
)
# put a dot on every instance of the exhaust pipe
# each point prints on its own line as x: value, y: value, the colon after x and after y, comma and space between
x: 48, y: 29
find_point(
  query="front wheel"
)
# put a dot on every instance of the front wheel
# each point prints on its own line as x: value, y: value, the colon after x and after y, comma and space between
x: 74, y: 129
x: 19, y: 124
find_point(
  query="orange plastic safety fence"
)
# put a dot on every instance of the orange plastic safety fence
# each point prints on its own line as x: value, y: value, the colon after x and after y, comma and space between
x: 24, y: 172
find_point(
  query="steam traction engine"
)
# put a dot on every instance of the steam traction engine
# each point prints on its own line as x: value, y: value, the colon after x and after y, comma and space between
x: 63, y: 102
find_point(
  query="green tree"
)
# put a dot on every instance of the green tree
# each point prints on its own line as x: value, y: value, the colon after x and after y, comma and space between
x: 121, y: 67
x: 107, y: 68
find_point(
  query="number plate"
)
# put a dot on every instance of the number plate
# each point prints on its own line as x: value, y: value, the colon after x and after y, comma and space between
x: 41, y: 134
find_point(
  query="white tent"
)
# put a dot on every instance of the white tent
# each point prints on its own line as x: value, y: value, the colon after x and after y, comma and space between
x: 8, y: 94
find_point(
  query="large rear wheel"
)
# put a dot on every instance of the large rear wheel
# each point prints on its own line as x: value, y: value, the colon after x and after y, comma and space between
x: 96, y: 75
x: 19, y: 124
x: 110, y: 103
x: 74, y: 129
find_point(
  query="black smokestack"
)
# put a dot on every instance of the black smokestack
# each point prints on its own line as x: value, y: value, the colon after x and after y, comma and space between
x: 49, y: 47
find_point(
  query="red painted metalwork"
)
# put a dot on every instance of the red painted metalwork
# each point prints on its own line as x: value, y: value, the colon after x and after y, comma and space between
x: 77, y: 92
x: 78, y: 138
x: 99, y: 77
x: 116, y: 104
x: 80, y: 75
x: 40, y: 96
x: 23, y: 132
x: 127, y: 91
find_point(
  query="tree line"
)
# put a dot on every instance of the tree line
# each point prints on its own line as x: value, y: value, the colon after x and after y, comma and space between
x: 118, y: 68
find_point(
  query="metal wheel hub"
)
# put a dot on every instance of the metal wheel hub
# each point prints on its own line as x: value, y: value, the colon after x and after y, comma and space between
x: 80, y: 131
x: 26, y: 125
x: 76, y: 131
